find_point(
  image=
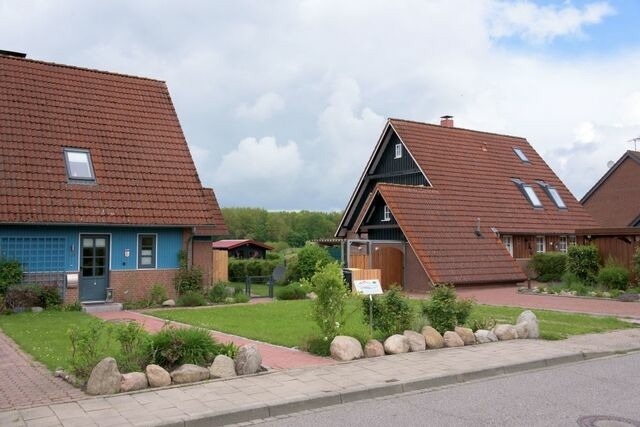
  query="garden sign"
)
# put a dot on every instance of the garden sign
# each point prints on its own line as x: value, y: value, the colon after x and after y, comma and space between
x: 369, y: 287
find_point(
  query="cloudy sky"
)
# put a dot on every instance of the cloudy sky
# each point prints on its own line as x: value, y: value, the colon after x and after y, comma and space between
x: 282, y: 101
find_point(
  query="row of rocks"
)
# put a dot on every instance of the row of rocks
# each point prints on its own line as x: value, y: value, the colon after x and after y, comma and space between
x: 105, y: 377
x: 345, y: 348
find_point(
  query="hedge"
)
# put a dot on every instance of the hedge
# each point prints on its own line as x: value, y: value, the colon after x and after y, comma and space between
x: 239, y: 269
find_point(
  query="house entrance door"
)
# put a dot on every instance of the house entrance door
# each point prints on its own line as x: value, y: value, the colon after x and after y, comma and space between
x: 94, y: 267
x: 390, y: 262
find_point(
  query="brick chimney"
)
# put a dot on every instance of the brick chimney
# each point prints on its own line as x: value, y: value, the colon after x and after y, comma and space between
x: 446, y: 121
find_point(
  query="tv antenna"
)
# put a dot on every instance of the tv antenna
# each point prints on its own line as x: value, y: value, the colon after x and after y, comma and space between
x: 635, y: 142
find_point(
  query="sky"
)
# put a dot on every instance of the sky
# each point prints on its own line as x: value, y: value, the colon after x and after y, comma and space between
x: 282, y: 102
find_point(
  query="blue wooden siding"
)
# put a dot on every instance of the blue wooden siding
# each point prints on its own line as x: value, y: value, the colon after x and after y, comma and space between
x: 56, y: 248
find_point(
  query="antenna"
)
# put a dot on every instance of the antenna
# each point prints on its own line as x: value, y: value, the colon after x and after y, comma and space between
x: 635, y: 142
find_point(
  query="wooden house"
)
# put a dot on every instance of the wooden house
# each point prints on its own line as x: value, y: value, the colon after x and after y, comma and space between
x: 243, y: 249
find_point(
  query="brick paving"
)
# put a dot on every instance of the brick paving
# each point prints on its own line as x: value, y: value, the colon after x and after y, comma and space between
x: 508, y: 295
x: 25, y: 382
x: 273, y: 356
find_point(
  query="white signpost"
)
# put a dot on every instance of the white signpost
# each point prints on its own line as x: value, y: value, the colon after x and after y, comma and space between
x: 368, y: 287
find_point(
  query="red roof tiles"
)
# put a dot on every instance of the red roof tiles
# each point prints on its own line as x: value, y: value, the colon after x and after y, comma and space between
x: 144, y: 171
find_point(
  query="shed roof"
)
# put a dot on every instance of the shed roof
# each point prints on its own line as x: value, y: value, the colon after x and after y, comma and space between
x: 144, y: 171
x: 232, y: 244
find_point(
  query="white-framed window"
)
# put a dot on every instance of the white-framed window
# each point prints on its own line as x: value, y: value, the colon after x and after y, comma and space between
x: 386, y: 213
x: 79, y: 167
x: 521, y: 154
x: 562, y: 244
x: 508, y: 243
x: 398, y: 151
x: 540, y: 245
x: 572, y: 240
x: 147, y: 251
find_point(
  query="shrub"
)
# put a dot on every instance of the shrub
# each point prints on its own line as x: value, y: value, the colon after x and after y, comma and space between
x: 328, y: 307
x: 291, y: 292
x: 254, y: 267
x: 484, y: 323
x: 582, y: 261
x: 187, y: 278
x: 89, y: 345
x: 392, y: 313
x: 308, y: 261
x: 613, y: 277
x: 444, y: 310
x: 50, y: 297
x: 135, y: 347
x: 191, y: 299
x: 218, y: 292
x: 549, y: 266
x: 319, y: 346
x: 636, y: 264
x: 241, y: 298
x: 22, y: 296
x: 176, y: 346
x: 157, y: 294
x: 10, y: 274
x: 239, y: 269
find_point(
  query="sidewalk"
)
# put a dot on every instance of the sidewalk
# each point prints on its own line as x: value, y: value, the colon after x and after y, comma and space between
x: 273, y: 356
x: 271, y: 394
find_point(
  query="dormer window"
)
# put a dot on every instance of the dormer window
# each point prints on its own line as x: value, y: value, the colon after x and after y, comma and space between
x: 386, y: 213
x: 79, y: 167
x: 398, y: 151
x: 521, y: 155
x: 553, y: 194
x: 528, y: 192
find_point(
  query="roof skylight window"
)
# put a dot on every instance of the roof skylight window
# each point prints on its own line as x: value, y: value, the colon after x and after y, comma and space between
x: 528, y: 192
x: 521, y: 154
x: 79, y: 167
x: 553, y: 194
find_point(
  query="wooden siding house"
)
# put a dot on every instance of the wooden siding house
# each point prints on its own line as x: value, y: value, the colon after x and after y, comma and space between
x: 243, y: 249
x: 98, y: 190
x: 442, y: 204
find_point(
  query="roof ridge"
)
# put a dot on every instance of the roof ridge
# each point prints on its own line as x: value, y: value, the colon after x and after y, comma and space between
x: 456, y: 128
x: 73, y: 67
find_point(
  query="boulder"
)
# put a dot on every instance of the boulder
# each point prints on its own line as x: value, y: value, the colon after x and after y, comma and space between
x: 522, y: 329
x: 373, y: 348
x: 396, y: 344
x: 346, y: 348
x: 133, y: 381
x: 484, y: 336
x: 157, y: 376
x: 432, y: 337
x: 416, y: 341
x: 248, y: 360
x: 105, y: 378
x: 189, y: 373
x: 169, y: 303
x: 222, y: 367
x: 466, y: 335
x: 505, y: 332
x: 451, y: 339
x: 533, y: 327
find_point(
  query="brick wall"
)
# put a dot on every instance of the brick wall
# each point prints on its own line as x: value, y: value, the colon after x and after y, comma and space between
x: 134, y: 285
x: 202, y: 258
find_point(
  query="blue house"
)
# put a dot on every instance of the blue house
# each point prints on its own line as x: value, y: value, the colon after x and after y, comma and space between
x: 98, y: 190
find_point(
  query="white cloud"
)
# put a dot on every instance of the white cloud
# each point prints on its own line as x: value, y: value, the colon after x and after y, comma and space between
x: 585, y: 132
x: 263, y: 108
x: 538, y: 24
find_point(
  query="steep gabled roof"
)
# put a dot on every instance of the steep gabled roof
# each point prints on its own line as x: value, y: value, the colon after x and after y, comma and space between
x: 143, y: 168
x: 443, y: 237
x: 232, y: 244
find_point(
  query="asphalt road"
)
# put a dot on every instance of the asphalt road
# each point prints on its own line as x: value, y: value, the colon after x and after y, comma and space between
x: 561, y: 396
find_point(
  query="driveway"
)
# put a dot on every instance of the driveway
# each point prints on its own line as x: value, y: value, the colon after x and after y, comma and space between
x: 25, y: 382
x: 509, y: 295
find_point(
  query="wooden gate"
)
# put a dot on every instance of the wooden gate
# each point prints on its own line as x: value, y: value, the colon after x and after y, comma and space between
x: 390, y: 262
x: 220, y: 264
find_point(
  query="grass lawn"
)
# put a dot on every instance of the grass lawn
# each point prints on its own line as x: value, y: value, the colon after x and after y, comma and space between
x: 44, y: 335
x: 289, y: 323
x: 257, y: 289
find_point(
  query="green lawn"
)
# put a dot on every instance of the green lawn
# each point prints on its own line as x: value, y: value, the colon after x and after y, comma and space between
x: 289, y: 323
x: 44, y: 335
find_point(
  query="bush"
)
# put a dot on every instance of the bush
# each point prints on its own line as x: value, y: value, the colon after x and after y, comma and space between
x: 218, y: 292
x: 187, y: 279
x: 241, y: 298
x: 191, y: 299
x: 157, y: 295
x: 392, y: 313
x: 319, y: 346
x: 444, y: 310
x: 89, y: 345
x: 636, y: 264
x: 309, y: 260
x: 291, y: 292
x: 487, y: 323
x: 613, y: 277
x: 239, y: 269
x: 22, y: 296
x: 10, y: 274
x: 176, y: 346
x: 135, y: 347
x: 549, y: 266
x: 582, y: 261
x: 328, y: 307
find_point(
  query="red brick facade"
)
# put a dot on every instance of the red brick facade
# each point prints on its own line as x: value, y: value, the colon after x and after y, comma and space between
x: 135, y: 285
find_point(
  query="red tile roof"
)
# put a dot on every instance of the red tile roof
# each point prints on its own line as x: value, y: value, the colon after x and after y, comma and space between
x: 232, y: 244
x: 144, y: 171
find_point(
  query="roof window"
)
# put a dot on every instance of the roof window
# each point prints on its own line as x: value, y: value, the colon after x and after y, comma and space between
x: 528, y: 192
x: 521, y: 154
x: 553, y: 194
x: 79, y: 167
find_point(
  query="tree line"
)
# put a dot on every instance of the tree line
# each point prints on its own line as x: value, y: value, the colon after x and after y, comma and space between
x: 294, y: 228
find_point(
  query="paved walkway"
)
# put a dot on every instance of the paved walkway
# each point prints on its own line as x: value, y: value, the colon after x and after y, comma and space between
x: 24, y: 382
x: 242, y: 399
x: 508, y: 295
x: 273, y: 356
